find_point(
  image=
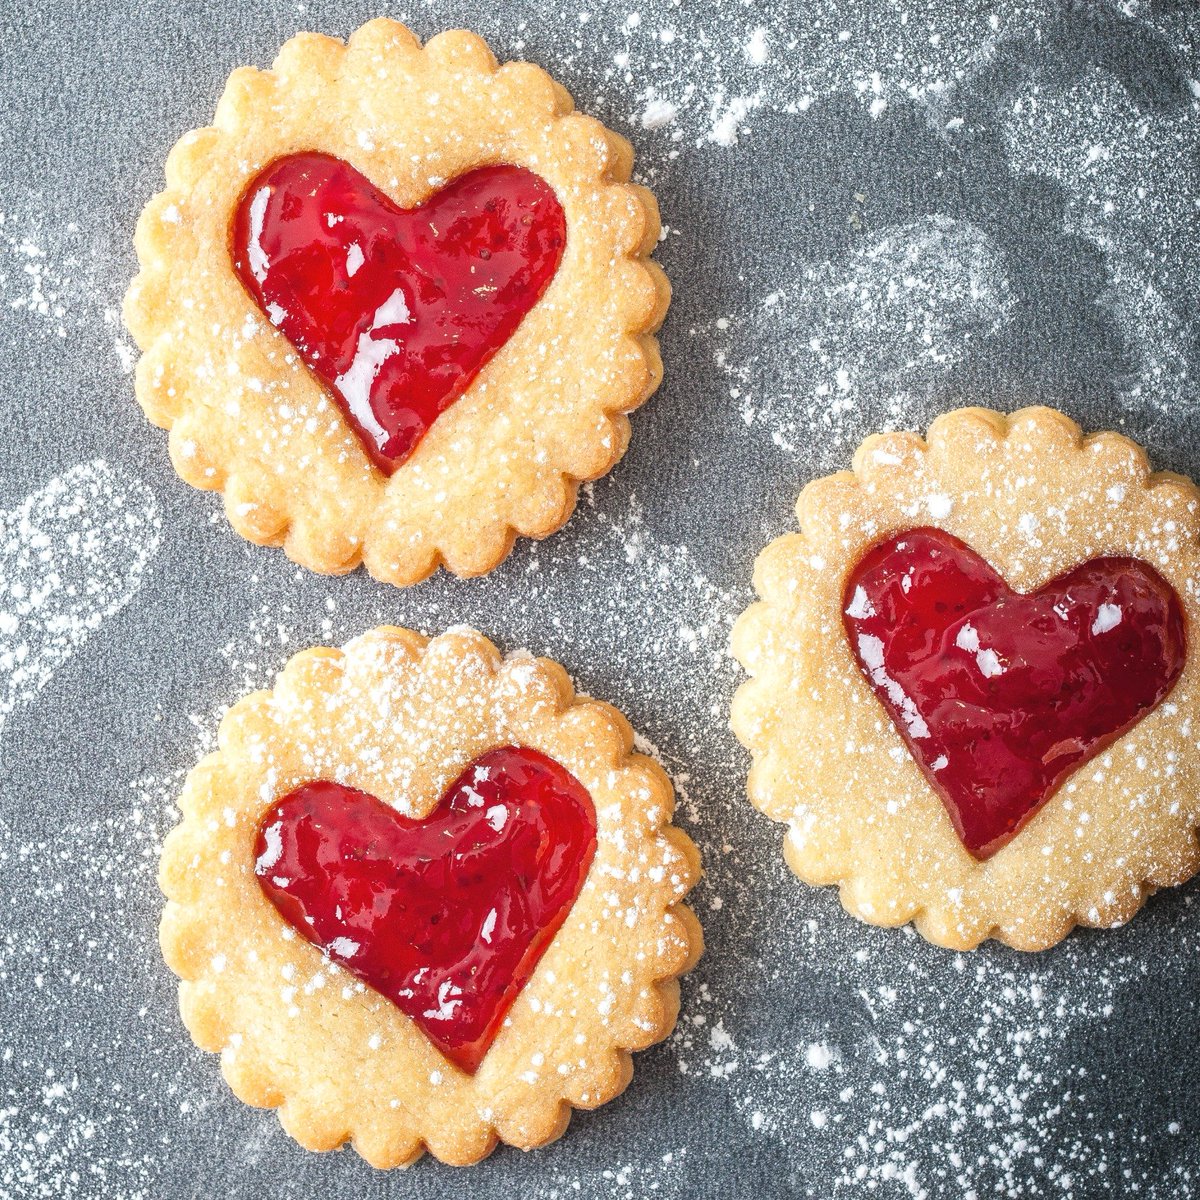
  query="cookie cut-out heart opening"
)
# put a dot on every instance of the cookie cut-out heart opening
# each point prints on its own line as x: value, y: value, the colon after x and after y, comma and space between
x: 1001, y: 695
x: 395, y: 310
x: 446, y: 916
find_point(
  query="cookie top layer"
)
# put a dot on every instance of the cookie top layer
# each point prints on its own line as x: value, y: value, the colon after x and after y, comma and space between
x: 1034, y: 499
x: 401, y: 718
x: 540, y: 412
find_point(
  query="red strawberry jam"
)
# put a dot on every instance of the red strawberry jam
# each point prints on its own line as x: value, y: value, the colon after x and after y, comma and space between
x: 446, y: 916
x: 395, y: 310
x: 1001, y: 696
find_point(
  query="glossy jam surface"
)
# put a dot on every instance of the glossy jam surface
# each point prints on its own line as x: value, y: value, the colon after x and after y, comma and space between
x: 448, y: 916
x: 395, y: 310
x: 999, y: 695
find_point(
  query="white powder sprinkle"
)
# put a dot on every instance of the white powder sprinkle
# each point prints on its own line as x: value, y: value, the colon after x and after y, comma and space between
x: 1108, y: 616
x: 859, y: 340
x: 71, y: 555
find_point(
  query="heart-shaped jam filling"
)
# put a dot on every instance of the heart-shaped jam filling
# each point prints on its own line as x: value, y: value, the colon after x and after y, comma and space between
x: 1000, y: 695
x: 395, y: 310
x: 446, y: 916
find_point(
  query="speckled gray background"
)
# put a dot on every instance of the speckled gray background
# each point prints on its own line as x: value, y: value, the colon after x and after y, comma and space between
x: 876, y: 210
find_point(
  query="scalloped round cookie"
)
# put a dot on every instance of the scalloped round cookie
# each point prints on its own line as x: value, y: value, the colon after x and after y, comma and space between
x: 329, y: 418
x: 971, y: 700
x: 275, y: 928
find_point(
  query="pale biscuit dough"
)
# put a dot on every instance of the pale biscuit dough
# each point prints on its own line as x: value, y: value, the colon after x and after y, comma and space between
x: 399, y: 716
x: 1034, y: 497
x: 247, y: 416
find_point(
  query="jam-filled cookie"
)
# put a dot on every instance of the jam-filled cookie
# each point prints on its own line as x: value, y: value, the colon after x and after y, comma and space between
x: 396, y: 303
x: 423, y: 897
x: 975, y: 699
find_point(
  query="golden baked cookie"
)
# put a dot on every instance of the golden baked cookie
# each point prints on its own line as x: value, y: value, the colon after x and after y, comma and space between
x: 396, y: 303
x: 423, y: 897
x: 973, y: 698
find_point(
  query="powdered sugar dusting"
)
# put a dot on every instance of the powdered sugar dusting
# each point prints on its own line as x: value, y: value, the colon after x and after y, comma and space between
x: 1129, y: 177
x: 860, y: 340
x: 902, y: 1106
x: 54, y: 283
x: 975, y: 149
x: 74, y: 1136
x: 73, y: 554
x: 625, y: 591
x: 717, y: 77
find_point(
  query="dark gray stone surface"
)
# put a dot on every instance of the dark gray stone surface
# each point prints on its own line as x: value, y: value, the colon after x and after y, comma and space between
x: 876, y: 210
